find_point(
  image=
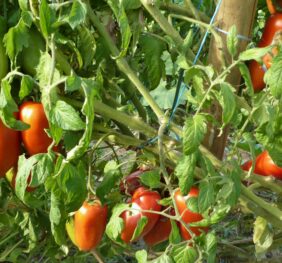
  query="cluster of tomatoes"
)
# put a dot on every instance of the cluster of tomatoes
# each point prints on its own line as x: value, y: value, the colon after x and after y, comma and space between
x: 271, y: 36
x: 35, y: 140
x: 143, y: 203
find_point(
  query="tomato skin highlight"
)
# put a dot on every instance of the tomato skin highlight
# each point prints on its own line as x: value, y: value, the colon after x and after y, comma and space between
x: 143, y: 199
x: 160, y: 232
x: 89, y: 225
x: 9, y: 148
x: 187, y: 215
x: 35, y: 139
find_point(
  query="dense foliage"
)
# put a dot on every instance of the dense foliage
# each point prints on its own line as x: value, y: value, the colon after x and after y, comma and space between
x: 103, y: 114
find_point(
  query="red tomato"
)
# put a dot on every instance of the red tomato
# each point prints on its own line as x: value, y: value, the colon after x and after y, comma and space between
x: 35, y: 139
x: 131, y: 182
x: 142, y: 199
x: 89, y: 225
x: 257, y: 74
x: 264, y: 166
x: 247, y: 165
x: 160, y: 232
x: 9, y: 148
x: 187, y: 215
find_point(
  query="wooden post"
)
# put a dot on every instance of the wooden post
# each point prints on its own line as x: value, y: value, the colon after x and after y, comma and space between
x: 240, y: 13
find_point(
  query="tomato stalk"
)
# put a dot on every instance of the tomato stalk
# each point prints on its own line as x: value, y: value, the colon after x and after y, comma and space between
x: 122, y: 63
x: 163, y: 126
x: 173, y: 8
x: 97, y: 255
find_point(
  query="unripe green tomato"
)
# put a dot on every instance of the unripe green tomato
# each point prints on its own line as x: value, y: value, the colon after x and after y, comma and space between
x: 30, y: 56
x: 70, y: 230
x: 3, y: 60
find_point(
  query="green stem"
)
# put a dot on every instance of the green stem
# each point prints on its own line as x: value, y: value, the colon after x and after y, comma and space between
x: 122, y: 63
x: 192, y: 20
x: 183, y: 11
x: 272, y: 210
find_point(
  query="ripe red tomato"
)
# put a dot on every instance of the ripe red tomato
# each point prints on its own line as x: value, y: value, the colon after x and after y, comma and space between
x: 264, y: 166
x: 9, y: 148
x: 35, y: 139
x: 160, y: 232
x: 89, y: 225
x: 257, y: 74
x: 187, y: 215
x: 142, y: 199
x: 131, y: 182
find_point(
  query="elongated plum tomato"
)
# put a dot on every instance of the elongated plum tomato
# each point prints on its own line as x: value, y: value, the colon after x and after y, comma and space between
x: 89, y: 225
x: 9, y: 148
x: 187, y: 215
x: 35, y: 139
x: 257, y: 74
x: 142, y: 199
x: 160, y: 232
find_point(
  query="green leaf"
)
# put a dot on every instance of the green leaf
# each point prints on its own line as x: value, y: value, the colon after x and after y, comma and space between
x: 16, y: 39
x: 142, y: 222
x: 23, y: 5
x: 115, y: 224
x: 154, y: 65
x: 73, y: 83
x: 194, y: 132
x: 8, y: 107
x: 27, y: 18
x: 164, y: 97
x: 185, y: 172
x: 43, y: 70
x: 24, y: 168
x: 90, y: 88
x: 151, y: 178
x: 77, y: 14
x: 263, y: 235
x: 192, y: 204
x: 232, y: 41
x: 66, y: 117
x: 141, y: 256
x: 164, y: 258
x: 86, y: 46
x: 131, y: 4
x: 254, y: 53
x: 122, y: 20
x: 210, y: 247
x: 174, y: 236
x: 206, y: 196
x: 47, y: 18
x: 273, y: 76
x: 110, y: 177
x: 71, y: 182
x: 247, y: 77
x: 26, y: 86
x: 227, y: 102
x: 184, y: 254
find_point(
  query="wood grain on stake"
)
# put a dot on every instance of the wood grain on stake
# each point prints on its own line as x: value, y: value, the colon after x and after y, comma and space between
x: 240, y: 13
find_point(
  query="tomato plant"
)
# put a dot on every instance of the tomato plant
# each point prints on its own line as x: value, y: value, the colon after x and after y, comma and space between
x: 89, y: 225
x: 35, y: 139
x: 142, y: 199
x: 136, y: 83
